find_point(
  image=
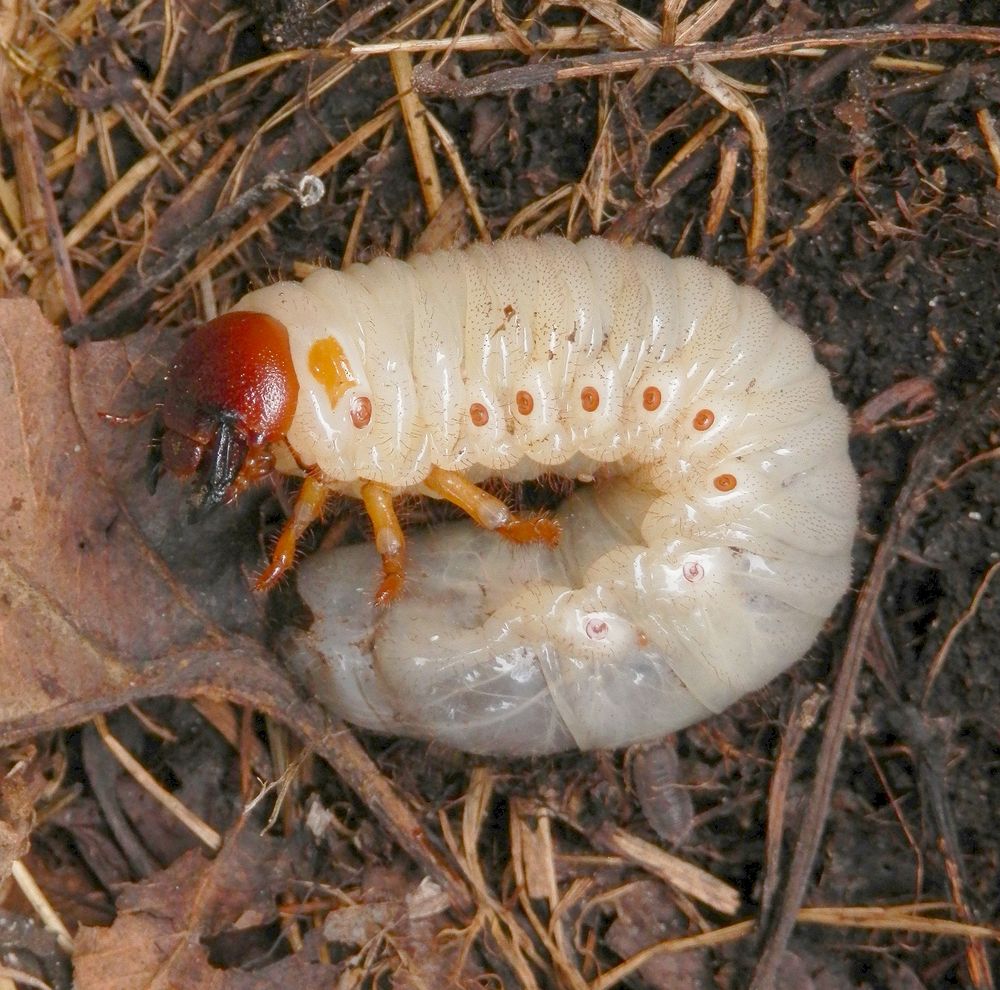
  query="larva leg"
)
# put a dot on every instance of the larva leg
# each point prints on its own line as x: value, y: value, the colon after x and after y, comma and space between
x: 490, y: 512
x: 258, y: 464
x: 308, y: 507
x: 389, y: 540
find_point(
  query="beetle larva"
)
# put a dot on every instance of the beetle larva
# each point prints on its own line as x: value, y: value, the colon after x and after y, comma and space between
x: 702, y: 562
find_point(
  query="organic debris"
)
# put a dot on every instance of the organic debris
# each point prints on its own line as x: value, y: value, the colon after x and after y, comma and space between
x: 208, y: 826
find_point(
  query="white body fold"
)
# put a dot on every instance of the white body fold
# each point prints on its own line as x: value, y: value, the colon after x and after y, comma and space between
x: 667, y: 598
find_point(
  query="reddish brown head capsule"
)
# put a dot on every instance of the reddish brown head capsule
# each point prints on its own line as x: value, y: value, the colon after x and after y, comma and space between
x: 231, y: 393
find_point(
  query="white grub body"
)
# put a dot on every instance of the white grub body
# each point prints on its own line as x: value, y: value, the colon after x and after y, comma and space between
x: 700, y: 564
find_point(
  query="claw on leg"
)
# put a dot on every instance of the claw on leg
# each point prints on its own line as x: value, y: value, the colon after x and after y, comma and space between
x: 489, y: 511
x: 308, y: 508
x: 389, y: 540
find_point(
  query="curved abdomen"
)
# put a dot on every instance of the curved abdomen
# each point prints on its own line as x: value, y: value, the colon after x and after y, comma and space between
x: 702, y: 562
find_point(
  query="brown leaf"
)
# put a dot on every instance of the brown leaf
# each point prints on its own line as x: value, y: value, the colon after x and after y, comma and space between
x: 107, y: 596
x: 156, y: 939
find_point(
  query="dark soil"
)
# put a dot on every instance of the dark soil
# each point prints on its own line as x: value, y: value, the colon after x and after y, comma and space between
x: 883, y: 229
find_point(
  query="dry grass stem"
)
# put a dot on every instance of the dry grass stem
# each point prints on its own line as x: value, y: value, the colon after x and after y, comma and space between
x: 722, y: 191
x: 686, y: 877
x: 734, y: 101
x: 34, y: 895
x: 414, y: 119
x: 540, y: 214
x: 147, y: 177
x: 204, y: 832
x: 705, y: 940
x: 454, y: 156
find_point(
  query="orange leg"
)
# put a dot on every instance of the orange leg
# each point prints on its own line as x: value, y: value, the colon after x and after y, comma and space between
x: 490, y: 512
x: 308, y: 508
x: 389, y: 540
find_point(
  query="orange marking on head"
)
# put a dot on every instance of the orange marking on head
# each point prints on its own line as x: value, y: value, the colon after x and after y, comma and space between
x: 525, y: 403
x: 590, y: 398
x: 329, y: 366
x: 703, y: 420
x: 725, y: 482
x: 479, y: 414
x: 651, y: 399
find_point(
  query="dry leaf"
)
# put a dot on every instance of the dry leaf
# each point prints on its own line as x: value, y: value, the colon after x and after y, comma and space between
x: 157, y: 938
x: 107, y: 595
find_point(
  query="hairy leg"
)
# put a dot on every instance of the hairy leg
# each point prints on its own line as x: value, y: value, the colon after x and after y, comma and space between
x: 308, y: 508
x: 389, y: 540
x: 489, y: 511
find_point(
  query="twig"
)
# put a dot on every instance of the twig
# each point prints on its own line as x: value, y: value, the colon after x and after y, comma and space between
x: 259, y: 219
x: 345, y: 755
x: 125, y: 186
x: 911, y: 393
x: 802, y: 718
x: 930, y: 754
x: 431, y: 82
